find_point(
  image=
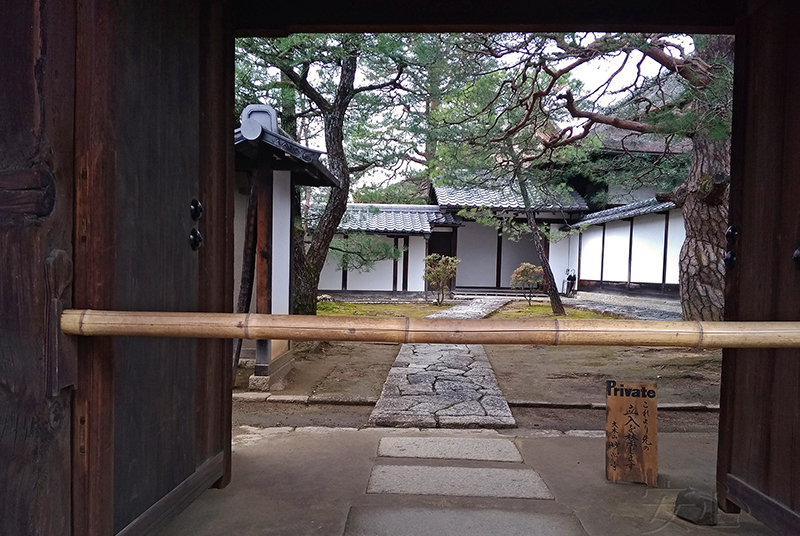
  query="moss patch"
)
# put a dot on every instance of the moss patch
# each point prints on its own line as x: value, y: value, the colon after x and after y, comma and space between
x: 521, y: 309
x: 407, y: 310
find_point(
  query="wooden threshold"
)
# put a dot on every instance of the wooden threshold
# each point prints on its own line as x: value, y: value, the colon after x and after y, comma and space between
x: 766, y: 509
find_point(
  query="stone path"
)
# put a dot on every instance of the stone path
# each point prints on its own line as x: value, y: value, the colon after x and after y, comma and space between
x: 508, y: 478
x: 459, y: 468
x: 444, y: 385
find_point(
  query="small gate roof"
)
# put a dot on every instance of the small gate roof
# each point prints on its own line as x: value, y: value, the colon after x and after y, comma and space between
x: 259, y: 139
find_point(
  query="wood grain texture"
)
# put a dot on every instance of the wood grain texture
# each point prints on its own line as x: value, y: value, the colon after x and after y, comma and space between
x: 758, y: 465
x: 262, y: 176
x: 160, y: 513
x: 157, y: 48
x: 36, y: 138
x: 151, y: 411
x: 27, y: 191
x: 632, y: 432
x: 95, y: 270
x: 214, y: 372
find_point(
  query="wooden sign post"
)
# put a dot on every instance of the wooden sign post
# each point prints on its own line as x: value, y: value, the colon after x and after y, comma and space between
x: 631, y: 432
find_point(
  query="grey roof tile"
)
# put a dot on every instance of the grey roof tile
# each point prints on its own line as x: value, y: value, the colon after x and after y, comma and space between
x: 508, y: 198
x: 407, y: 219
x: 640, y: 208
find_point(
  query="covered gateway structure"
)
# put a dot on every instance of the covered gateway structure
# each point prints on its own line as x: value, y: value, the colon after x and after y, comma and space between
x: 269, y: 164
x: 117, y: 114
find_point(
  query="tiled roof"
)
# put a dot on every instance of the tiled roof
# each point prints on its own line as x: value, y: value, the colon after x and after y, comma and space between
x: 640, y: 208
x: 260, y: 138
x: 508, y: 198
x: 408, y: 219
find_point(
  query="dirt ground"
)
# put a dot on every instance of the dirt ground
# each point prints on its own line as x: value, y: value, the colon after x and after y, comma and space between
x: 578, y: 373
x: 567, y: 374
x: 266, y: 414
x: 357, y: 369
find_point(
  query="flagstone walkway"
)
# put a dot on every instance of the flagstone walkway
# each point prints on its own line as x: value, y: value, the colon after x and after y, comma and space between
x: 444, y: 385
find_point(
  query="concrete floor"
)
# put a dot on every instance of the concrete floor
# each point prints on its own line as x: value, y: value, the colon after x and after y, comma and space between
x: 305, y: 481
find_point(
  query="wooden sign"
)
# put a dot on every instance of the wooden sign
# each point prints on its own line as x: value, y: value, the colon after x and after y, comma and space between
x: 631, y: 432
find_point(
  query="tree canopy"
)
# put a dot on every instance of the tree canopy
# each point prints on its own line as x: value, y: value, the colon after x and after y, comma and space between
x: 515, y: 108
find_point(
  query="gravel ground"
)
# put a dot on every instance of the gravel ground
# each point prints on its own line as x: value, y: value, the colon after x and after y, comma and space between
x: 638, y: 307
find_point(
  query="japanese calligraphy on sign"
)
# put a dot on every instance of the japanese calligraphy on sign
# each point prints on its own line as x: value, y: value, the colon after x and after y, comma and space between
x: 631, y: 432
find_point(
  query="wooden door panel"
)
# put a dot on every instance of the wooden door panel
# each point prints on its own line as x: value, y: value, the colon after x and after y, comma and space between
x: 157, y: 270
x: 758, y: 465
x: 154, y: 99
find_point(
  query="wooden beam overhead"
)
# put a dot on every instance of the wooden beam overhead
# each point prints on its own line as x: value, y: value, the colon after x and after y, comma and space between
x: 254, y: 18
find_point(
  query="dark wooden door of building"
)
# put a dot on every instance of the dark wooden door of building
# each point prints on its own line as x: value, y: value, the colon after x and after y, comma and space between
x: 759, y: 444
x: 153, y: 145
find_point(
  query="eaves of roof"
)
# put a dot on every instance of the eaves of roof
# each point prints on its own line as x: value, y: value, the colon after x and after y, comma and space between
x: 640, y: 208
x: 285, y: 154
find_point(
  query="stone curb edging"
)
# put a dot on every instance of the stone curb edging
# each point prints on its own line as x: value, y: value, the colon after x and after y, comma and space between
x: 345, y: 400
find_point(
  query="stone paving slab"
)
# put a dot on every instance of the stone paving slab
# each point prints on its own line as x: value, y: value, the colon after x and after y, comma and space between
x: 458, y: 482
x: 371, y: 521
x: 473, y: 309
x: 437, y: 395
x: 461, y: 448
x: 444, y: 385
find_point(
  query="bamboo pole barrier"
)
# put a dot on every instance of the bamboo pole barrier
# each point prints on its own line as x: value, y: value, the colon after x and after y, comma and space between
x: 428, y: 330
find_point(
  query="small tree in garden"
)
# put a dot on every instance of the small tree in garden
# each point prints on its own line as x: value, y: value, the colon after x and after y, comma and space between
x: 439, y: 270
x: 528, y: 277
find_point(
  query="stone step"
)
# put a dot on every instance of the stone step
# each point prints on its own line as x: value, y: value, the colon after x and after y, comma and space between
x: 384, y: 521
x: 458, y: 482
x: 452, y: 448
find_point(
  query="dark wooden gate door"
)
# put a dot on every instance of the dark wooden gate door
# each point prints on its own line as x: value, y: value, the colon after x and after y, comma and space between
x: 152, y: 136
x: 759, y: 445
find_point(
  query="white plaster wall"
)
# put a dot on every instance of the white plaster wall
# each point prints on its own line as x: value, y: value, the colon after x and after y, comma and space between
x: 591, y: 253
x: 379, y: 278
x: 560, y: 258
x: 281, y: 245
x: 574, y: 244
x: 677, y: 234
x: 477, y: 249
x: 647, y: 264
x: 416, y: 264
x: 615, y: 263
x: 514, y: 254
x: 331, y: 276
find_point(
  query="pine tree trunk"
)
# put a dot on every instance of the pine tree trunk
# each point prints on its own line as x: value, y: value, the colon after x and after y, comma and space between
x: 703, y: 199
x: 308, y: 271
x: 549, y: 281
